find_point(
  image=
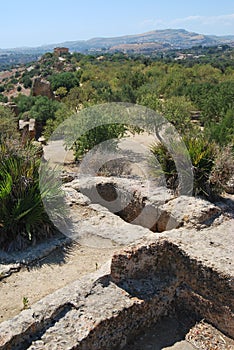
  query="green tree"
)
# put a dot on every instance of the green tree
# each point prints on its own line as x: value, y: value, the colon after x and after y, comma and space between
x: 26, y: 81
x: 61, y: 92
x: 60, y: 115
x: 24, y: 103
x: 67, y: 80
x: 3, y: 98
x: 96, y: 136
x: 126, y: 94
x: 149, y: 99
x: 43, y: 109
x: 177, y: 110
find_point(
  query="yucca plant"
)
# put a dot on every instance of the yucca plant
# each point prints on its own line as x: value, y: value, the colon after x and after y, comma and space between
x: 23, y: 219
x: 202, y: 154
x: 165, y: 171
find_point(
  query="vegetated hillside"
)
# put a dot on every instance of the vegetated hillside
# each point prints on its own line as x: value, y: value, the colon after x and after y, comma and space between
x: 174, y: 38
x: 149, y: 43
x: 72, y: 70
x: 192, y: 88
x: 12, y: 59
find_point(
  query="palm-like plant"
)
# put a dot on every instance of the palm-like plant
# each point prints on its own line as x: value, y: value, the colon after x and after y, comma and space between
x: 23, y: 219
x: 202, y: 154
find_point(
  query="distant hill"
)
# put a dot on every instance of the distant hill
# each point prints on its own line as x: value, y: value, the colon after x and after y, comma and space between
x: 150, y: 41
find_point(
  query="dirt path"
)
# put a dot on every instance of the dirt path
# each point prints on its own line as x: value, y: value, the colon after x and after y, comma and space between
x: 53, y: 272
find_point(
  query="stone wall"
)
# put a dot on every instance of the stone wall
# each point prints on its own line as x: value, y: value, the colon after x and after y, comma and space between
x: 186, y: 268
x: 153, y: 278
x: 42, y: 87
x: 202, y: 288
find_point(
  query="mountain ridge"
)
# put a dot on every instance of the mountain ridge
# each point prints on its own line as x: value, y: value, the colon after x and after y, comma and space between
x: 167, y: 38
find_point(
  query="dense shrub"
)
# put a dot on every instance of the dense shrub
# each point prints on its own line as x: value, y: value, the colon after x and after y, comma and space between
x: 222, y: 132
x: 212, y: 168
x: 60, y: 115
x: 8, y: 123
x: 44, y: 109
x: 97, y: 135
x: 223, y: 169
x: 24, y: 103
x: 40, y: 108
x: 67, y: 80
x: 23, y: 219
x: 3, y: 98
x: 26, y: 81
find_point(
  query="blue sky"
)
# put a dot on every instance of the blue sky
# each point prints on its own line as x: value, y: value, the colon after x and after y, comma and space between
x: 39, y: 22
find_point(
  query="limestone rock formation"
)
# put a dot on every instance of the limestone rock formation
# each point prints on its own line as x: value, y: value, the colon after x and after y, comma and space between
x: 154, y: 208
x: 186, y: 211
x: 157, y: 276
x: 189, y: 269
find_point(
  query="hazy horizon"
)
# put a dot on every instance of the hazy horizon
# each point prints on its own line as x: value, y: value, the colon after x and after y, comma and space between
x: 49, y: 22
x: 60, y: 42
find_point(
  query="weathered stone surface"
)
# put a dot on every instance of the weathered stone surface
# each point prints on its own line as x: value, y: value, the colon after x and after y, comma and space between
x: 216, y: 312
x: 184, y: 345
x: 204, y: 271
x: 74, y: 197
x: 8, y: 269
x: 15, y: 332
x: 130, y: 199
x: 32, y: 253
x: 67, y: 176
x: 41, y: 87
x: 145, y: 281
x: 92, y: 313
x: 159, y: 274
x: 105, y: 190
x: 103, y: 225
x: 154, y: 208
x: 204, y: 336
x: 113, y: 193
x: 186, y: 211
x: 215, y: 252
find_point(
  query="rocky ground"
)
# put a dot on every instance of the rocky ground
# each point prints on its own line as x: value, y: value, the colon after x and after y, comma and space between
x: 190, y: 229
x: 45, y: 276
x: 102, y: 233
x: 182, y: 333
x: 108, y: 307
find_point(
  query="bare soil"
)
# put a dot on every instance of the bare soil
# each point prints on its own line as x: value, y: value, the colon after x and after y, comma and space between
x: 55, y: 271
